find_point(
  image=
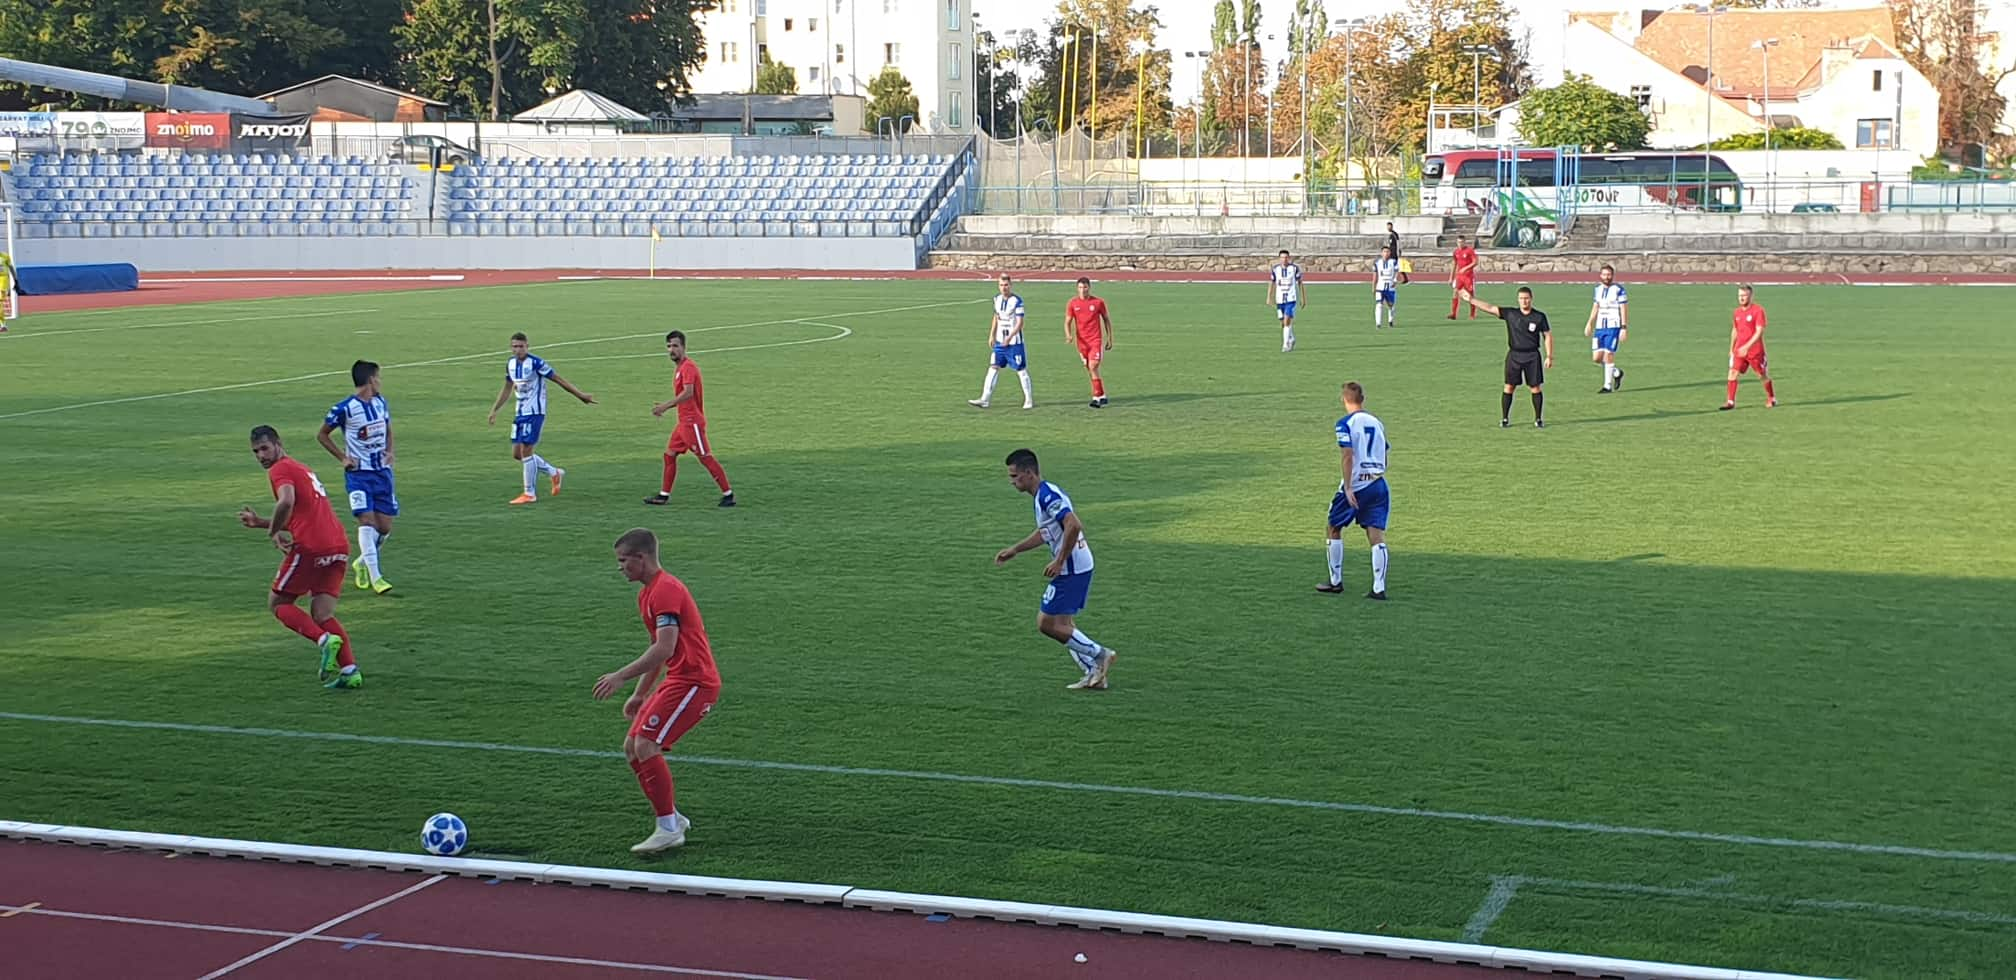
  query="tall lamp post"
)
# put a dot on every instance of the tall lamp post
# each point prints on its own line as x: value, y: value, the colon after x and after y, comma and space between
x: 1708, y: 106
x: 1197, y: 59
x: 1349, y: 27
x: 1477, y: 53
x: 1771, y: 179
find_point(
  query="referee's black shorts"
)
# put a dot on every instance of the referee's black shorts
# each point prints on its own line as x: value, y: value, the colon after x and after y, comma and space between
x: 1523, y: 367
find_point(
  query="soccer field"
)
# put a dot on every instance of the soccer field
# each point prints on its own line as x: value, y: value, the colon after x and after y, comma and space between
x: 1656, y: 681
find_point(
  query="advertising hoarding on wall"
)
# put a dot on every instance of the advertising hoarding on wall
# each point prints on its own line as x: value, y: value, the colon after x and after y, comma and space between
x: 268, y: 134
x: 189, y: 130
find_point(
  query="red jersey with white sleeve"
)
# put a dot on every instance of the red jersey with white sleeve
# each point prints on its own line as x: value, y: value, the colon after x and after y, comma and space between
x: 663, y: 603
x: 691, y: 411
x: 312, y: 523
x: 1086, y: 315
x: 1749, y: 322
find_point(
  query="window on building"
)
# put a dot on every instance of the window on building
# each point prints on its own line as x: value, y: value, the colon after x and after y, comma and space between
x: 762, y: 52
x: 889, y: 6
x: 952, y: 22
x: 1642, y: 94
x: 839, y: 54
x: 787, y: 23
x: 1874, y: 134
x: 953, y: 118
x: 762, y: 8
x: 1876, y: 81
x: 728, y: 53
x: 891, y: 53
x: 812, y: 74
x: 952, y: 71
x: 728, y: 6
x: 811, y: 23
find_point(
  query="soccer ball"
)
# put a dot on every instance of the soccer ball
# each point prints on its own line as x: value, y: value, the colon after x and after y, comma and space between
x: 444, y: 834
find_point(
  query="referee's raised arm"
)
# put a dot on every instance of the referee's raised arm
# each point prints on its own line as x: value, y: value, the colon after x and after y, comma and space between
x: 1475, y: 303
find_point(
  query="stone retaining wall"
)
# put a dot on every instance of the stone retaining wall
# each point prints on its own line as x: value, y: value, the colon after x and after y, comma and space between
x: 1733, y: 261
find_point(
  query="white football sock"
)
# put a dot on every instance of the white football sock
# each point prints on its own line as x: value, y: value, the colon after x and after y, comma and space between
x: 1028, y: 396
x: 531, y: 473
x: 1378, y: 314
x: 1379, y: 567
x: 367, y: 548
x: 1606, y: 373
x: 544, y: 466
x: 1336, y: 550
x: 987, y: 387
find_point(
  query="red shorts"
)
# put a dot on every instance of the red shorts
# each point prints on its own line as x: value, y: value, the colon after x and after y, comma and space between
x: 1741, y: 363
x: 689, y: 437
x: 1091, y: 351
x: 1467, y: 284
x: 305, y: 574
x: 671, y: 711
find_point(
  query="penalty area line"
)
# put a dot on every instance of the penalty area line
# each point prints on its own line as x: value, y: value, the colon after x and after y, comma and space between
x: 1369, y: 809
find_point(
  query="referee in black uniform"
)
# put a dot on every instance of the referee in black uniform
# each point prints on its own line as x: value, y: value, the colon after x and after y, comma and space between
x: 1526, y: 336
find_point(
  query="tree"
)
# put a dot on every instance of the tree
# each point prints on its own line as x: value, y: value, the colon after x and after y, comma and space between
x: 891, y: 97
x: 1578, y: 112
x: 1310, y: 26
x: 1939, y: 38
x: 1112, y: 70
x: 1435, y: 36
x: 776, y: 78
x: 1224, y: 25
x: 443, y: 50
x: 1789, y: 138
x: 638, y: 52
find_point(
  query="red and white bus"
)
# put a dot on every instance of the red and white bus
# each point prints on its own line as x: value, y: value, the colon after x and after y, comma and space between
x: 1530, y: 183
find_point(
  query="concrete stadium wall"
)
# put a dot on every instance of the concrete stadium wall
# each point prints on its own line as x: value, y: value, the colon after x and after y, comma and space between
x: 440, y: 252
x: 1099, y: 225
x: 1499, y: 262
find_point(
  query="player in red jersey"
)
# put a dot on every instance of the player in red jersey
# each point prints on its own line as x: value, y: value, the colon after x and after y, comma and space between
x: 305, y: 529
x: 1462, y: 275
x: 1746, y: 347
x: 690, y: 434
x: 661, y: 712
x: 1087, y: 324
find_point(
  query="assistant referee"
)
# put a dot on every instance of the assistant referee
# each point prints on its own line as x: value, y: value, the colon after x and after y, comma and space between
x: 1526, y: 336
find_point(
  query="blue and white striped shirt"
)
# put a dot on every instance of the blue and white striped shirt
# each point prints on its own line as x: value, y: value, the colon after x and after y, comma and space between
x: 1051, y: 506
x: 367, y: 429
x: 528, y: 377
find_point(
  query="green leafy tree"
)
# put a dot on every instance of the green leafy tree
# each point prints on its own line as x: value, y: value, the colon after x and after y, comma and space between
x: 1578, y: 112
x: 1789, y: 138
x: 1310, y: 26
x: 637, y: 52
x: 776, y: 78
x: 890, y: 96
x: 1126, y: 83
x: 1224, y: 25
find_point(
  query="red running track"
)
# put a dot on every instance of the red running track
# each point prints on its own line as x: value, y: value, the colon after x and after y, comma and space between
x: 72, y: 911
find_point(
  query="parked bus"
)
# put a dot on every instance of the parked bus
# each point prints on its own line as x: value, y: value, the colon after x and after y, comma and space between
x: 1526, y: 185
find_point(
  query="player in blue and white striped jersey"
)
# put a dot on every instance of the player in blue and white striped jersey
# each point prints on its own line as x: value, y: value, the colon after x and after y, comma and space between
x: 1069, y: 571
x: 1609, y: 323
x: 1005, y: 347
x: 1284, y: 293
x: 1385, y: 288
x: 526, y: 375
x: 366, y: 421
x: 1362, y: 497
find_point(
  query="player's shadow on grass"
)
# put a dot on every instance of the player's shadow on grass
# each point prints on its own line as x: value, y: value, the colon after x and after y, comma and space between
x: 1177, y: 397
x: 1657, y: 416
x: 1710, y: 383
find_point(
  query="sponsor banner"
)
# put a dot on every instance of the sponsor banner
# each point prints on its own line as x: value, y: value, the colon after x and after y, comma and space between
x: 189, y: 130
x: 269, y: 134
x: 28, y: 125
x: 100, y: 130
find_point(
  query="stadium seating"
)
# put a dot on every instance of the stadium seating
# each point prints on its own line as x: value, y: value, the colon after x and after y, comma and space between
x: 263, y: 195
x: 699, y: 196
x: 251, y: 195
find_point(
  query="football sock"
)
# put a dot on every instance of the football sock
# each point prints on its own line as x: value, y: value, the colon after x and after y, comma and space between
x: 297, y: 619
x: 1027, y: 394
x: 1453, y: 304
x: 714, y: 469
x: 1769, y: 393
x: 1606, y: 373
x: 1335, y: 548
x: 1505, y: 407
x: 544, y: 467
x: 1378, y: 314
x: 671, y: 473
x: 367, y: 547
x: 1098, y: 388
x: 655, y: 778
x: 1287, y: 336
x: 343, y: 656
x: 531, y: 473
x: 1379, y: 567
x: 987, y: 387
x: 1537, y: 399
x: 1082, y: 645
x: 1732, y: 391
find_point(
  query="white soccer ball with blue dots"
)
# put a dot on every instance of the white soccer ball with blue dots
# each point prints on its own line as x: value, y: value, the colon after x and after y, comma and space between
x: 444, y: 834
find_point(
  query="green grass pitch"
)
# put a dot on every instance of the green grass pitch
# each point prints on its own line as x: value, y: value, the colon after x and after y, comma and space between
x: 1789, y: 624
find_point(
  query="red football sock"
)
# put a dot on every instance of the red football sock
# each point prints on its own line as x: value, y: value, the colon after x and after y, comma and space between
x: 1453, y: 304
x: 1768, y: 393
x: 344, y: 656
x: 1732, y: 391
x: 671, y: 471
x: 297, y: 619
x: 1098, y: 388
x: 656, y: 779
x: 720, y: 477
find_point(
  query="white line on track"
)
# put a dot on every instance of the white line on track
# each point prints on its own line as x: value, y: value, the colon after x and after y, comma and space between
x: 347, y: 941
x: 1370, y: 809
x: 1505, y: 887
x: 29, y: 335
x: 498, y: 353
x: 323, y: 927
x: 171, y: 280
x: 842, y: 335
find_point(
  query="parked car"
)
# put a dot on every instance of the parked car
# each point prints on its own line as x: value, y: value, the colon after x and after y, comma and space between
x: 1810, y: 207
x: 423, y: 149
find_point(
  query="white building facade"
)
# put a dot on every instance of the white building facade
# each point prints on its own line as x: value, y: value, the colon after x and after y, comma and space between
x: 837, y: 47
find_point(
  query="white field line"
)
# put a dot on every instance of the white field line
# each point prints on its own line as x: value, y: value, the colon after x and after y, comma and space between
x: 30, y: 335
x: 323, y: 927
x: 842, y: 335
x: 169, y: 280
x: 348, y: 941
x: 1370, y: 809
x: 1505, y: 887
x: 468, y: 357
